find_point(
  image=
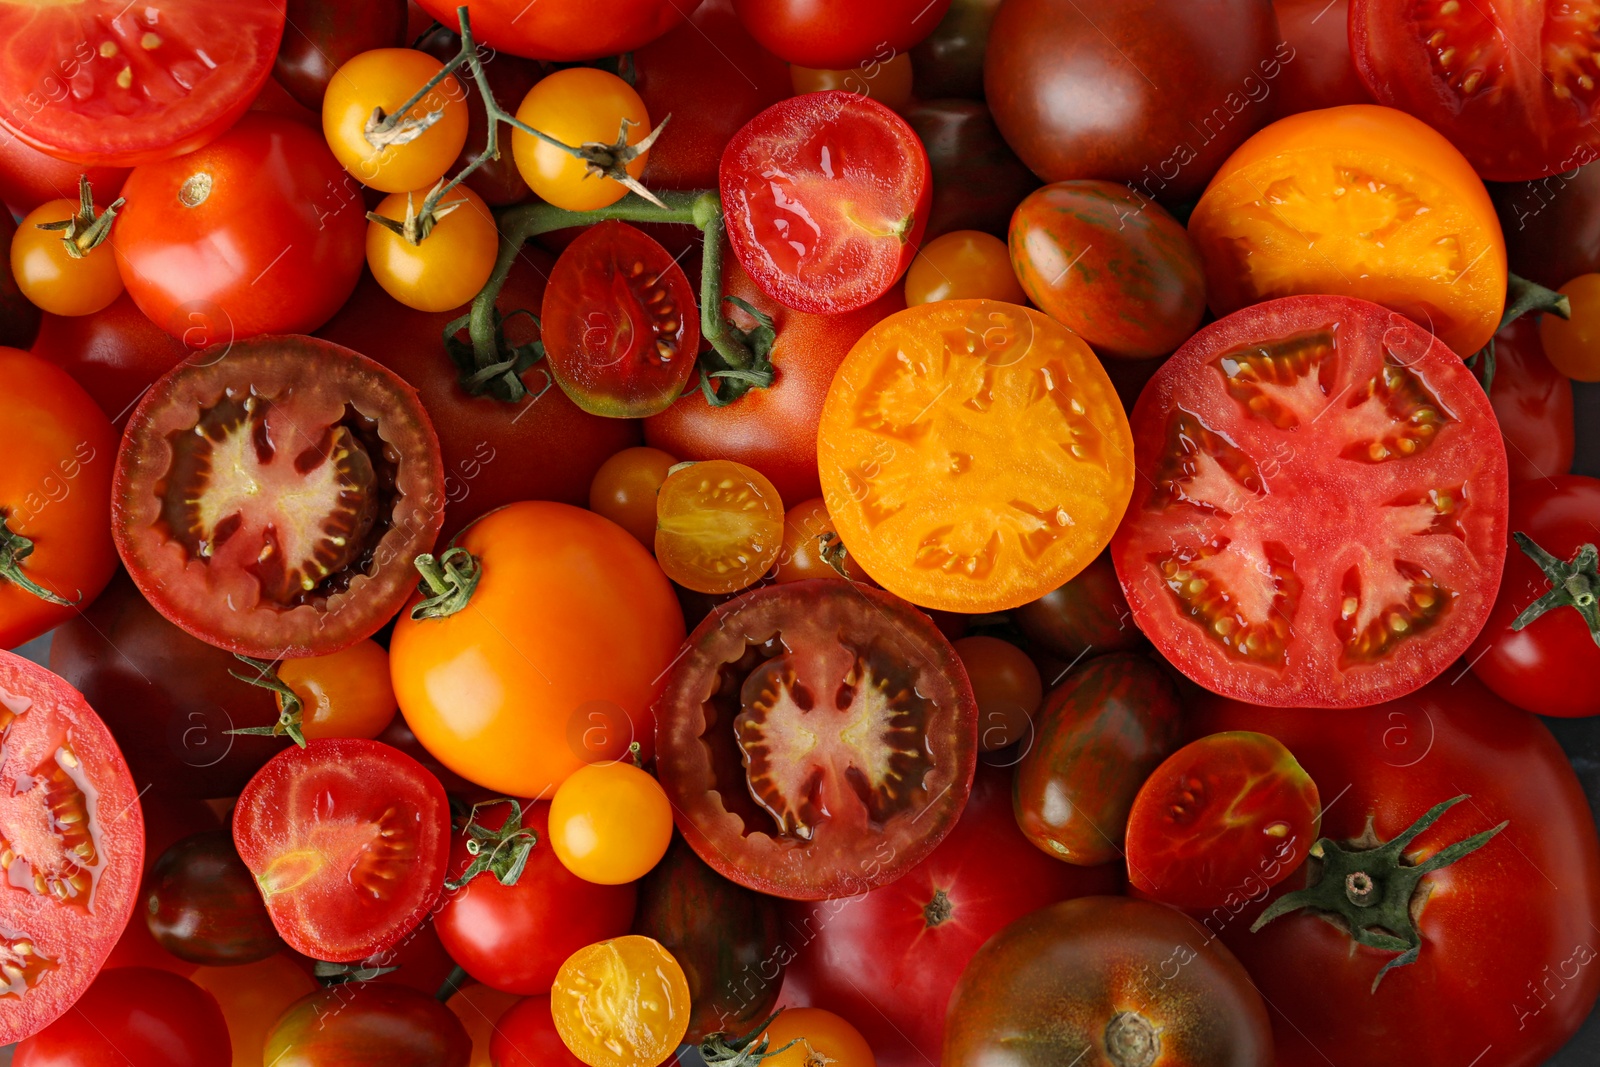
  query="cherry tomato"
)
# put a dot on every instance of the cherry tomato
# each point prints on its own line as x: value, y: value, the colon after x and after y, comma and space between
x: 115, y: 354
x: 566, y: 32
x: 252, y: 997
x: 949, y: 61
x: 368, y: 1023
x: 610, y: 823
x: 812, y: 547
x: 202, y: 906
x: 836, y: 34
x: 526, y: 1036
x: 624, y: 490
x: 719, y: 526
x: 383, y: 79
x: 888, y: 81
x: 446, y: 268
x: 810, y: 1036
x: 577, y: 106
x: 479, y: 1007
x: 1532, y: 403
x: 1005, y: 684
x: 1573, y: 345
x: 621, y: 1003
x: 1089, y: 613
x: 342, y: 694
x: 322, y: 37
x: 53, y: 278
x: 133, y: 1017
x: 962, y: 264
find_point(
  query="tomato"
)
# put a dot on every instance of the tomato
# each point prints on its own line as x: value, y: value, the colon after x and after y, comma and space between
x: 526, y: 1037
x: 578, y: 106
x: 419, y: 961
x: 620, y: 324
x: 977, y: 179
x: 835, y: 34
x: 719, y: 526
x: 202, y: 906
x: 885, y: 78
x: 366, y: 1026
x: 321, y: 37
x: 391, y: 157
x: 1111, y: 264
x: 1400, y: 219
x: 1190, y: 85
x: 812, y: 548
x: 551, y: 31
x: 133, y: 1017
x: 1320, y: 73
x: 801, y: 1037
x: 1277, y: 554
x: 342, y: 694
x: 889, y: 960
x: 962, y: 265
x: 71, y: 841
x: 251, y: 997
x: 1573, y: 345
x: 774, y: 429
x: 447, y: 267
x: 258, y: 232
x: 1096, y: 739
x: 28, y: 177
x: 1521, y: 908
x: 621, y: 1002
x: 624, y: 490
x: 1129, y: 981
x: 114, y: 354
x: 56, y: 280
x: 54, y: 486
x: 1533, y: 404
x: 479, y: 1008
x: 825, y: 197
x: 934, y: 459
x: 610, y: 823
x: 782, y: 806
x: 347, y: 839
x: 19, y: 317
x: 540, y: 674
x: 104, y: 87
x: 510, y: 77
x: 324, y: 559
x: 1088, y: 613
x: 1006, y: 685
x: 1552, y: 226
x: 949, y: 61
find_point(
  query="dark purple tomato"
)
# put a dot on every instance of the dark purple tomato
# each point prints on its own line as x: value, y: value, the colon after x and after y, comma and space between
x: 322, y: 35
x: 949, y: 61
x: 1552, y: 225
x: 510, y: 77
x: 368, y: 1025
x: 201, y: 904
x: 977, y: 179
x: 1088, y: 614
x: 1532, y: 402
x: 19, y: 319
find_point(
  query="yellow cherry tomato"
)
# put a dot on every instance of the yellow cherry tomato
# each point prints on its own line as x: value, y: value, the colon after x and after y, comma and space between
x: 610, y: 823
x: 252, y: 997
x: 963, y: 264
x: 479, y: 1007
x: 343, y: 694
x: 1573, y: 345
x: 624, y: 490
x: 386, y: 78
x: 621, y: 1003
x: 819, y: 1037
x: 448, y: 266
x: 576, y: 106
x: 888, y: 81
x: 51, y: 277
x: 719, y: 526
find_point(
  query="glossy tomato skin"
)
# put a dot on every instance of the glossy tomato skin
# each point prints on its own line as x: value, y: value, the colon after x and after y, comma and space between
x: 562, y: 32
x: 252, y: 996
x: 1194, y: 82
x: 1552, y: 225
x: 134, y: 1017
x: 195, y: 253
x: 368, y: 1026
x: 115, y: 354
x: 321, y: 37
x: 836, y: 34
x: 201, y: 904
x: 526, y: 1036
x: 1533, y: 404
x: 889, y: 960
x: 949, y: 61
x: 1519, y: 910
x: 1089, y: 613
x: 1321, y: 73
x: 977, y: 179
x: 29, y: 177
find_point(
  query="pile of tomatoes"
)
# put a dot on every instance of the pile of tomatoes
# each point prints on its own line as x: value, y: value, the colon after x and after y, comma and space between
x: 993, y: 533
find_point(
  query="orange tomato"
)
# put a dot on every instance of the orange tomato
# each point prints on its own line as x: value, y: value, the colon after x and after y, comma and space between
x: 1573, y: 345
x: 577, y: 106
x: 610, y: 823
x: 812, y: 547
x: 50, y: 276
x: 624, y: 490
x: 385, y: 78
x: 345, y: 694
x: 816, y: 1037
x: 719, y: 526
x: 621, y: 1003
x: 886, y: 81
x: 960, y: 265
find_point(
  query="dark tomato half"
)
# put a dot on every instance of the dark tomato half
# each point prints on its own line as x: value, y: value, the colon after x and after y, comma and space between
x: 71, y: 844
x: 1320, y: 517
x: 270, y: 496
x: 817, y: 739
x: 826, y: 195
x: 347, y: 840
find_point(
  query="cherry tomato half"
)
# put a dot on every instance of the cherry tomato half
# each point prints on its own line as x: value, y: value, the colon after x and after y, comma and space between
x: 621, y: 1003
x: 719, y: 526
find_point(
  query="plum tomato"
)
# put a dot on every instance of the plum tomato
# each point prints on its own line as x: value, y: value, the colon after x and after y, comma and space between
x: 624, y: 490
x: 444, y: 269
x: 321, y: 559
x: 347, y: 840
x: 365, y: 1024
x: 949, y: 61
x: 134, y: 1017
x: 1088, y: 613
x: 719, y: 526
x: 398, y: 159
x: 202, y: 906
x: 54, y: 272
x: 621, y: 1003
x: 886, y: 80
x: 321, y: 37
x: 784, y: 802
x: 1532, y: 403
x: 115, y: 87
x: 526, y: 1036
x: 619, y: 321
x: 1320, y: 518
x: 610, y: 823
x: 252, y: 996
x: 962, y: 265
x: 1321, y: 72
x: 1111, y: 264
x: 564, y: 32
x: 835, y: 34
x: 1127, y: 982
x: 1006, y: 685
x: 1096, y: 739
x: 800, y: 1037
x: 578, y: 106
x: 977, y: 179
x: 973, y: 455
x: 114, y: 353
x: 1399, y: 218
x: 1573, y: 345
x: 540, y: 673
x: 826, y: 197
x: 1224, y: 815
x: 812, y: 547
x: 71, y: 841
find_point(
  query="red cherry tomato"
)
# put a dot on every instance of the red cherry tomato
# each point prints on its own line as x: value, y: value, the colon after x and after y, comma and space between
x: 565, y: 32
x: 134, y: 1017
x: 838, y: 34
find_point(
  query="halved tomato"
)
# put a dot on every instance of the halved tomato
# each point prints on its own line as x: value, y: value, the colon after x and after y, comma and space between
x: 115, y: 85
x: 270, y: 496
x: 71, y: 845
x: 348, y: 841
x: 1320, y: 517
x: 816, y: 739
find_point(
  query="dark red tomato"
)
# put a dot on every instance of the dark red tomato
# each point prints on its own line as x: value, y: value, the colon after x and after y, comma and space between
x: 399, y: 734
x: 169, y: 698
x: 515, y: 937
x: 19, y: 318
x: 839, y: 34
x: 826, y: 196
x: 115, y: 353
x: 526, y: 1036
x: 368, y: 1025
x: 71, y: 843
x: 115, y: 87
x: 1538, y: 667
x: 1533, y: 404
x: 564, y: 31
x: 486, y: 442
x: 201, y: 904
x: 322, y: 35
x: 817, y: 739
x: 1320, y: 73
x: 167, y: 820
x: 1190, y: 83
x: 510, y: 77
x: 621, y: 327
x: 1506, y: 931
x: 888, y: 960
x: 1320, y: 517
x: 1509, y: 83
x: 712, y: 77
x: 347, y: 840
x: 28, y: 177
x: 949, y: 61
x: 977, y: 179
x: 261, y: 231
x: 134, y: 1017
x: 1087, y: 614
x: 773, y: 430
x: 1552, y: 225
x: 322, y: 559
x: 274, y: 99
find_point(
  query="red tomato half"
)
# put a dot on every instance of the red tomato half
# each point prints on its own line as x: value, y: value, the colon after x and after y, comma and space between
x: 116, y: 85
x: 1320, y: 515
x: 564, y: 31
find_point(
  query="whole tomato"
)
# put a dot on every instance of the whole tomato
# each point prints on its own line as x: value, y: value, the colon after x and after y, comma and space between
x: 28, y: 177
x: 949, y: 61
x: 134, y: 1017
x: 564, y: 32
x: 839, y: 34
x: 114, y: 353
x: 1552, y: 225
x: 323, y: 34
x: 977, y: 179
x: 1532, y: 402
x: 1321, y: 73
x: 510, y: 77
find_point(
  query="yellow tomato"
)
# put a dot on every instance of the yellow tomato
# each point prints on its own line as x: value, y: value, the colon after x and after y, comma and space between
x: 386, y: 78
x: 50, y: 276
x: 448, y: 267
x: 610, y: 823
x: 1573, y: 345
x: 963, y: 264
x: 344, y: 694
x: 621, y: 1003
x: 577, y: 106
x: 816, y: 1037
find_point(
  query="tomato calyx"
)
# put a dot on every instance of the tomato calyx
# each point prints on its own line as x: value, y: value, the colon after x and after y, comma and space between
x: 1522, y: 297
x: 14, y: 548
x: 416, y: 226
x: 83, y: 232
x: 1131, y: 1040
x: 1574, y: 584
x: 498, y: 371
x: 1368, y: 888
x: 724, y: 1050
x: 447, y: 582
x: 291, y: 709
x: 332, y: 974
x: 502, y: 851
x: 732, y: 381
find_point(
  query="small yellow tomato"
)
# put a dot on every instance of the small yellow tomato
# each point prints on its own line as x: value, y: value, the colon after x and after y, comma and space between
x: 621, y: 1003
x: 447, y: 267
x: 386, y: 78
x: 577, y: 106
x: 610, y: 823
x: 1573, y: 345
x: 815, y: 1037
x: 719, y: 526
x: 960, y: 265
x: 54, y: 279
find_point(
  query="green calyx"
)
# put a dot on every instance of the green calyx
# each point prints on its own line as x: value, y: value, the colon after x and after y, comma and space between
x: 1574, y: 584
x: 502, y: 852
x: 447, y: 583
x: 725, y: 1050
x: 84, y: 231
x: 14, y: 548
x: 733, y: 382
x: 500, y: 378
x: 1522, y: 297
x: 291, y: 709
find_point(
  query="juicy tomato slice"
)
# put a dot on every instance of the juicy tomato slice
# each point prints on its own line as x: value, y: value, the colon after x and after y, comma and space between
x: 115, y: 85
x: 973, y: 454
x: 719, y: 526
x: 621, y: 1002
x: 619, y: 322
x: 826, y: 197
x: 71, y: 844
x: 1320, y: 517
x: 1511, y: 83
x: 816, y: 739
x: 348, y: 841
x: 270, y: 496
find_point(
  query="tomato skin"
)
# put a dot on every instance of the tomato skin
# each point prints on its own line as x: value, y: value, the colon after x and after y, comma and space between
x: 215, y: 267
x: 368, y: 1026
x: 552, y: 31
x: 1322, y: 72
x: 610, y: 823
x: 836, y: 34
x: 1494, y: 921
x: 201, y: 904
x: 134, y: 1017
x: 1006, y: 685
x: 1532, y: 403
x: 1087, y: 613
x: 448, y: 268
x: 624, y: 490
x: 321, y: 37
x: 949, y: 61
x: 384, y: 79
x: 810, y: 544
x: 1572, y: 345
x: 815, y: 1034
x: 29, y: 177
x: 48, y: 274
x: 977, y: 179
x: 885, y: 78
x: 576, y: 106
x: 510, y: 77
x: 526, y: 1037
x: 115, y: 354
x: 252, y: 997
x: 960, y: 265
x: 1552, y: 225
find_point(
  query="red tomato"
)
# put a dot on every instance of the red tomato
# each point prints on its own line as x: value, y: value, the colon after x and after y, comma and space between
x: 826, y: 197
x: 134, y: 1017
x: 260, y: 231
x: 1532, y: 402
x: 114, y: 354
x: 839, y: 34
x: 565, y: 31
x: 1320, y: 72
x: 526, y: 1036
x: 1320, y: 517
x: 28, y: 177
